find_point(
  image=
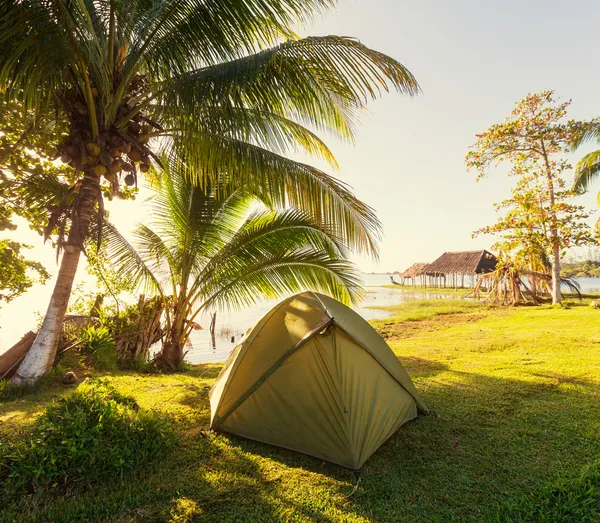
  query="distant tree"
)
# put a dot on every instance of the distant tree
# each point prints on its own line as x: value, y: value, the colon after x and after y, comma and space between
x: 540, y: 222
x: 17, y: 273
x: 524, y: 235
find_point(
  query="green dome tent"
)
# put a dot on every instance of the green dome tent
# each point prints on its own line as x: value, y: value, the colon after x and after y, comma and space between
x: 314, y: 377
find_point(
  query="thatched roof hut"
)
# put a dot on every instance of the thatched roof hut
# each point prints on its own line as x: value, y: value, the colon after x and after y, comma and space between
x: 463, y: 262
x: 416, y: 269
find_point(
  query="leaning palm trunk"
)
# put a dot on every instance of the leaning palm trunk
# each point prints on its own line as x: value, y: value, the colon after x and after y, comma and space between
x: 41, y: 356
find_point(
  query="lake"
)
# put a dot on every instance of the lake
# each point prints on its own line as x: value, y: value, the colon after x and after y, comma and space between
x: 232, y: 325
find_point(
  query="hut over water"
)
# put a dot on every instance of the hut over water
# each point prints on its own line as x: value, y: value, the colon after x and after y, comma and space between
x: 415, y: 272
x: 450, y: 269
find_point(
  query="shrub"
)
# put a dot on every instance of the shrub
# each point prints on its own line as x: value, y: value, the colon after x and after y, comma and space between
x: 99, y: 347
x: 93, y: 433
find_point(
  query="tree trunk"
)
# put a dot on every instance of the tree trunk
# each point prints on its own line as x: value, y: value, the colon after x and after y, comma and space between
x: 171, y: 354
x: 41, y: 356
x: 556, y: 292
x: 138, y: 329
x: 13, y: 356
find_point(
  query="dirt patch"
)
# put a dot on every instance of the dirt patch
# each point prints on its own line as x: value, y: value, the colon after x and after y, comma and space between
x: 408, y: 329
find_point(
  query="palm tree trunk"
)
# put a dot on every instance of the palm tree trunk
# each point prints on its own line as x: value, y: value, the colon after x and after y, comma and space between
x: 40, y: 358
x: 171, y: 354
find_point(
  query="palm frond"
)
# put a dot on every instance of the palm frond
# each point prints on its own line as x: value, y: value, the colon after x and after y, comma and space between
x: 129, y: 262
x: 321, y: 81
x: 586, y: 171
x: 171, y: 35
x: 590, y: 134
x: 43, y: 47
x: 262, y: 128
x: 263, y: 233
x: 280, y: 275
x: 285, y: 182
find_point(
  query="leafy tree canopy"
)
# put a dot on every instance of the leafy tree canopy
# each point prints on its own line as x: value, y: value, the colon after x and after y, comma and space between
x: 540, y: 222
x: 17, y: 273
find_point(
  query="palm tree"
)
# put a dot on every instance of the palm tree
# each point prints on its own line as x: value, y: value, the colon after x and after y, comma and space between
x: 588, y: 168
x: 216, y: 249
x: 211, y: 82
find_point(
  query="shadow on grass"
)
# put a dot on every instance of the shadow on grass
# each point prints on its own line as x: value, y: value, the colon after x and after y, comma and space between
x: 422, y: 367
x: 495, y: 440
x: 207, y: 371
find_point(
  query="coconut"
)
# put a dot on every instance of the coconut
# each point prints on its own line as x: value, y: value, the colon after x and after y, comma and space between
x: 93, y: 149
x: 100, y: 170
x: 65, y: 158
x: 81, y: 109
x: 135, y: 155
x: 133, y: 127
x: 144, y: 167
x: 129, y: 180
x: 116, y: 166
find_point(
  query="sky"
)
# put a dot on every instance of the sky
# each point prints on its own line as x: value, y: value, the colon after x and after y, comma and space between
x: 473, y: 60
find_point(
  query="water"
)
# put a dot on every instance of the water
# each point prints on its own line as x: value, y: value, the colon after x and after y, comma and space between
x: 234, y: 324
x: 231, y: 326
x: 589, y: 285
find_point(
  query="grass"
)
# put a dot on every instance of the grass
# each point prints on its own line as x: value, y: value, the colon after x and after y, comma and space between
x: 516, y: 391
x: 429, y: 292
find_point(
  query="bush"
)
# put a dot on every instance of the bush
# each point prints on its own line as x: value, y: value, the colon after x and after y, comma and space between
x: 93, y: 433
x: 99, y: 347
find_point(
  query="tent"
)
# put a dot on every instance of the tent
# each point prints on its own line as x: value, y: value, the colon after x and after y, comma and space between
x: 313, y: 376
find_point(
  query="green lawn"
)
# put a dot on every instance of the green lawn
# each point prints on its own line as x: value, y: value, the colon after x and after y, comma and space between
x: 429, y: 292
x: 516, y: 390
